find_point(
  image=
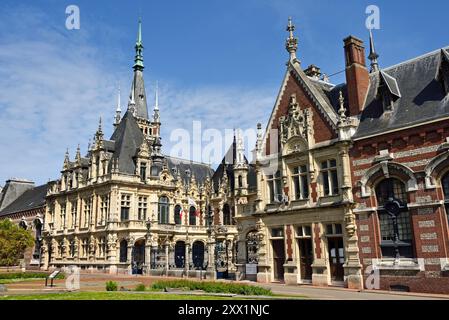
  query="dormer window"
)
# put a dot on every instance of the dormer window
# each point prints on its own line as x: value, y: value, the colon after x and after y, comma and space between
x: 143, y: 171
x: 443, y: 71
x: 388, y: 91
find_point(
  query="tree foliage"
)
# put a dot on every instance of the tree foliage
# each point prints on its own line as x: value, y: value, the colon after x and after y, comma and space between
x: 13, y: 242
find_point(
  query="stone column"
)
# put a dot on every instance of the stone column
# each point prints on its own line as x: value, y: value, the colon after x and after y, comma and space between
x: 129, y: 255
x: 353, y: 267
x: 112, y: 253
x: 167, y: 245
x: 210, y: 272
x: 263, y: 274
x: 187, y: 258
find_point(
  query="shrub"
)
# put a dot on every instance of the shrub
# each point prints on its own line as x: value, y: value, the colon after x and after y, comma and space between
x: 140, y: 287
x: 214, y: 287
x: 111, y: 286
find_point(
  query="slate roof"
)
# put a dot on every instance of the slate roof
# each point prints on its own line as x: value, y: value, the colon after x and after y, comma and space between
x: 30, y: 199
x: 128, y: 138
x: 421, y: 96
x: 140, y: 96
x: 184, y: 169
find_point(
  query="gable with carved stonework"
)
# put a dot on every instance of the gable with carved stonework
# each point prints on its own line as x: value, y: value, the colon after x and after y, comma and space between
x: 320, y: 128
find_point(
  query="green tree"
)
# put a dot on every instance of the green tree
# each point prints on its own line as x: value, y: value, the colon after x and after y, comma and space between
x: 13, y: 242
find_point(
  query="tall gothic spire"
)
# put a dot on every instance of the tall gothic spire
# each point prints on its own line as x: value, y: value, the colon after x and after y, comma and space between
x: 138, y: 86
x: 292, y: 43
x: 138, y: 61
x: 373, y: 56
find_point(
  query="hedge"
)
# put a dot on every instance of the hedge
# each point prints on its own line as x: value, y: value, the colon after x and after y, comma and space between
x: 213, y: 287
x: 27, y: 275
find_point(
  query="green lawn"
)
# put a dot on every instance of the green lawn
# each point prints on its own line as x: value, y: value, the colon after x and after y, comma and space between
x: 109, y: 296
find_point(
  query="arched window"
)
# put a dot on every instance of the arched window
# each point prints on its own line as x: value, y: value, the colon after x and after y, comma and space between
x: 192, y: 216
x: 178, y: 214
x: 227, y: 215
x: 240, y: 181
x: 123, y: 251
x: 445, y: 185
x: 394, y: 219
x: 163, y: 210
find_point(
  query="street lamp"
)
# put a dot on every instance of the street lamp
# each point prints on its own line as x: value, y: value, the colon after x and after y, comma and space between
x: 394, y: 209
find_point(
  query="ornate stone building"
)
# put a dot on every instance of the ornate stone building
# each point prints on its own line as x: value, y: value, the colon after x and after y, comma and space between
x: 303, y: 227
x: 126, y: 206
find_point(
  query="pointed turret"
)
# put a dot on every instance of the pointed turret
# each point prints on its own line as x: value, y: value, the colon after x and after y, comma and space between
x: 292, y: 43
x: 373, y: 56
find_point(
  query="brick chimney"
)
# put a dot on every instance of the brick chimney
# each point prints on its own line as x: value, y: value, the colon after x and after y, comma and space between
x: 357, y: 75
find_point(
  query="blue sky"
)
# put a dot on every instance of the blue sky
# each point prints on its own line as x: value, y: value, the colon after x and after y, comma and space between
x: 220, y: 62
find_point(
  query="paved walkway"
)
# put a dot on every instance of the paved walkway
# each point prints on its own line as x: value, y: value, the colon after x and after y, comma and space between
x: 346, y: 294
x: 96, y: 282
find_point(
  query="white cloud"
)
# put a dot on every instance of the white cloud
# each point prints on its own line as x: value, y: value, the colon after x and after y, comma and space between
x: 55, y: 86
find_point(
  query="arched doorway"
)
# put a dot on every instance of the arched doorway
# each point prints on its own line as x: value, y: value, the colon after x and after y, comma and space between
x: 180, y: 254
x: 198, y: 255
x: 138, y: 256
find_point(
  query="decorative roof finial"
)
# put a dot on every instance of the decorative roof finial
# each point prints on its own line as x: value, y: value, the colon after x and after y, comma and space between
x: 78, y: 154
x: 118, y: 110
x: 132, y: 101
x: 138, y: 61
x: 292, y: 43
x: 373, y: 56
x: 342, y: 110
x: 156, y: 116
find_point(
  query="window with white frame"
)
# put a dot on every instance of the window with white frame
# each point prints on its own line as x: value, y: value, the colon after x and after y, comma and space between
x: 125, y: 206
x: 329, y: 177
x: 301, y: 182
x: 304, y: 232
x: 142, y: 208
x: 274, y: 187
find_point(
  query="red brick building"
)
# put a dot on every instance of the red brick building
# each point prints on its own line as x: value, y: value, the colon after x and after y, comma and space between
x: 400, y: 167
